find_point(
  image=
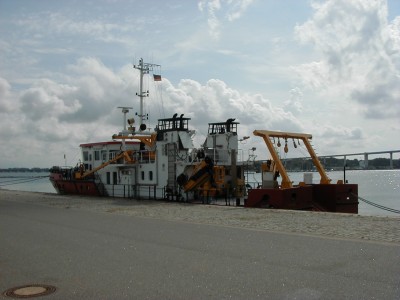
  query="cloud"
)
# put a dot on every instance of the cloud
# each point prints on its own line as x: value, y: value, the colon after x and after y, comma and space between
x: 233, y: 10
x: 7, y: 101
x: 60, y: 24
x: 83, y: 108
x: 360, y: 54
x: 294, y: 103
x: 237, y: 9
x: 212, y: 6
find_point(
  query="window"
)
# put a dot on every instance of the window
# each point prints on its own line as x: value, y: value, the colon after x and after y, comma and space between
x: 151, y: 175
x: 97, y: 155
x: 108, y: 178
x: 142, y: 173
x: 115, y: 177
x: 112, y: 154
x: 104, y: 155
x: 85, y: 156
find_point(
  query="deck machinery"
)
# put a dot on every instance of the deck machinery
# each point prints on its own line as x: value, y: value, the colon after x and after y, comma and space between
x: 217, y: 173
x: 325, y: 196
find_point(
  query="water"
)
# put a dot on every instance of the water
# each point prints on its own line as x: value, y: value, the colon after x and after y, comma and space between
x: 378, y: 186
x: 26, y: 181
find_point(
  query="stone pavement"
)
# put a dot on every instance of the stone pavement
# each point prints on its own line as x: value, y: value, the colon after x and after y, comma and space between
x: 333, y: 225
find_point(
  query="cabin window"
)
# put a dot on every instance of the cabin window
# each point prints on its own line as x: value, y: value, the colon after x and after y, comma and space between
x: 115, y: 177
x: 112, y: 154
x: 90, y: 157
x: 151, y: 175
x: 142, y: 173
x: 85, y: 156
x: 104, y: 155
x: 108, y: 178
x: 96, y: 155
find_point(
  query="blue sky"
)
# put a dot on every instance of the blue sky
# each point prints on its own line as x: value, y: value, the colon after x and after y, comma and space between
x: 330, y: 68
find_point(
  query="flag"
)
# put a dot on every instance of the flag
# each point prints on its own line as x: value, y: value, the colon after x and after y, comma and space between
x: 157, y: 77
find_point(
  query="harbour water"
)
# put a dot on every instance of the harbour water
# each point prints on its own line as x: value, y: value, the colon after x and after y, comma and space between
x: 379, y: 186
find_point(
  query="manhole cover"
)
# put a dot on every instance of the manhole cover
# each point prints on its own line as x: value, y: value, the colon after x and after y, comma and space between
x: 30, y: 291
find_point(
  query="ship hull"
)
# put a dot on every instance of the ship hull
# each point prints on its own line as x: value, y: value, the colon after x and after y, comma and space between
x: 75, y: 187
x: 340, y: 198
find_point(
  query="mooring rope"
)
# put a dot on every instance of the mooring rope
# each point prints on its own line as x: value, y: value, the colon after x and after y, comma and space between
x: 378, y: 205
x: 21, y: 180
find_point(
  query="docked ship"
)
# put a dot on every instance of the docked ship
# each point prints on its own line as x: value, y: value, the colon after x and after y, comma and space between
x: 163, y: 163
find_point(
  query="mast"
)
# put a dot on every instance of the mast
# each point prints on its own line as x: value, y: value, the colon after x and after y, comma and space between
x: 144, y: 68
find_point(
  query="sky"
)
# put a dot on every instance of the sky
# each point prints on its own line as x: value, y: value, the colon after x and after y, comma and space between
x: 330, y: 68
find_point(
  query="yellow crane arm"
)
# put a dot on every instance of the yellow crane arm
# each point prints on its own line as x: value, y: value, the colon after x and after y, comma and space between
x: 148, y: 140
x: 286, y: 183
x: 127, y: 155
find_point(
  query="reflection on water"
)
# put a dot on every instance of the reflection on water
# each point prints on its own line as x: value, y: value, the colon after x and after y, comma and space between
x: 378, y: 186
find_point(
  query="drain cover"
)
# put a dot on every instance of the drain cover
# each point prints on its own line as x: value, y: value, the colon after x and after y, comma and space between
x: 30, y: 291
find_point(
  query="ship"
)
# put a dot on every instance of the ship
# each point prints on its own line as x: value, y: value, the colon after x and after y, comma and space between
x: 163, y: 164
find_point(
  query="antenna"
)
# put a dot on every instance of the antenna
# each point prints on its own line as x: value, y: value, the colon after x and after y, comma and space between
x: 125, y: 110
x: 144, y: 68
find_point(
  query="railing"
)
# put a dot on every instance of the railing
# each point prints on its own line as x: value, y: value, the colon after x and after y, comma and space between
x: 149, y: 192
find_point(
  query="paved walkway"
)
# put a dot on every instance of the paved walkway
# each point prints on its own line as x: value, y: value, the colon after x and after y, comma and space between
x: 345, y: 226
x: 104, y: 249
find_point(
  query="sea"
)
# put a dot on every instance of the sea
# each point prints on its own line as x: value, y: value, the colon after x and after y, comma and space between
x: 380, y: 187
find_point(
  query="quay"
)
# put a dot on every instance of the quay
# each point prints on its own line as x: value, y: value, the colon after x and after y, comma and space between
x: 105, y: 248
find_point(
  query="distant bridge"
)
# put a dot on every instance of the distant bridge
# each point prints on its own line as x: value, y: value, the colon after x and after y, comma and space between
x: 365, y: 154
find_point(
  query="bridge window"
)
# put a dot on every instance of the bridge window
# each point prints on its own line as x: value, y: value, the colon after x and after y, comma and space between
x: 104, y: 155
x: 112, y: 154
x: 85, y: 156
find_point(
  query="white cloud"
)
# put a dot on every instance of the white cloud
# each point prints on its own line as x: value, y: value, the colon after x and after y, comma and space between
x: 7, y: 101
x: 237, y: 8
x: 359, y: 52
x: 233, y: 10
x: 63, y: 77
x: 84, y: 108
x: 294, y: 103
x: 212, y: 6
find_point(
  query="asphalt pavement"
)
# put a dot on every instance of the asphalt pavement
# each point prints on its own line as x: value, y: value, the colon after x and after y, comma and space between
x: 95, y: 255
